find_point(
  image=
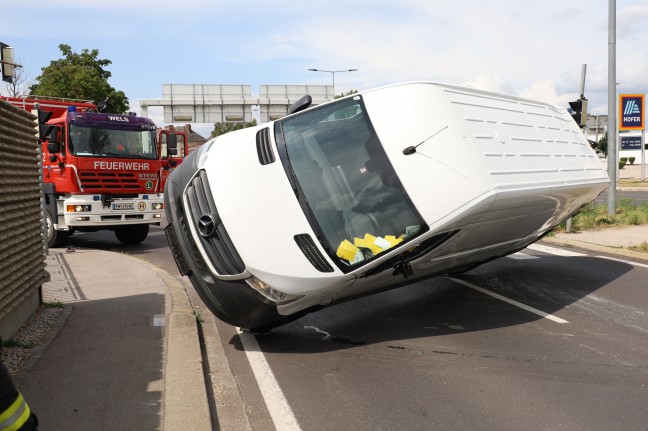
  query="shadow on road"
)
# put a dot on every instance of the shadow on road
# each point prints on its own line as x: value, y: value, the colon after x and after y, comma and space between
x: 440, y: 306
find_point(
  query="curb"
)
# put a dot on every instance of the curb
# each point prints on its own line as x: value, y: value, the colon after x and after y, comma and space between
x: 598, y: 248
x: 186, y: 405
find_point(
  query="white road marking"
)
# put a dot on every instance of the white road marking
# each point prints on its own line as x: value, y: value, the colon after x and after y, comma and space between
x: 554, y: 250
x: 280, y: 411
x: 561, y: 252
x: 629, y: 262
x: 521, y: 256
x: 510, y: 301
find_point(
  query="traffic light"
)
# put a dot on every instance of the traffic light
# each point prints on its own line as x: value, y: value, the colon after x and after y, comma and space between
x: 579, y: 111
x: 7, y: 66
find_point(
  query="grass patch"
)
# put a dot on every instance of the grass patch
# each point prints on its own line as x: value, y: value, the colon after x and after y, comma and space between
x: 641, y: 247
x: 198, y: 315
x: 595, y: 216
x: 53, y: 304
x: 632, y: 182
x: 15, y: 343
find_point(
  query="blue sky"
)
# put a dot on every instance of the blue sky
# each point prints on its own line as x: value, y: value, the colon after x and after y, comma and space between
x: 530, y: 49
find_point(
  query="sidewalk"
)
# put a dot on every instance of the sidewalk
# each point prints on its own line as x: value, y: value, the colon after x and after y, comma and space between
x: 613, y: 240
x: 632, y: 173
x: 126, y: 356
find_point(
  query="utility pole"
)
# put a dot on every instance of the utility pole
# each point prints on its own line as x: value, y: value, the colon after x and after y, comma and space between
x: 613, y: 164
x: 583, y: 120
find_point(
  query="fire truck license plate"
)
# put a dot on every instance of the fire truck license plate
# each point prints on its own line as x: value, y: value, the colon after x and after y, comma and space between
x: 118, y: 206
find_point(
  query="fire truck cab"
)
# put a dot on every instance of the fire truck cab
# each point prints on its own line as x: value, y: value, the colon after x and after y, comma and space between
x: 101, y: 171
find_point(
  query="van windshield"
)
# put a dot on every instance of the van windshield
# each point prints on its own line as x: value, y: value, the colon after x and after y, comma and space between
x: 348, y: 184
x: 115, y: 142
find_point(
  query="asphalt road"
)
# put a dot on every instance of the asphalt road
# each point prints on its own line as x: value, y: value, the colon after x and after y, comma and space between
x: 546, y: 339
x: 636, y: 196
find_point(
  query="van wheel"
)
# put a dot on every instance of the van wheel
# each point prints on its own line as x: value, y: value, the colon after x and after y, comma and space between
x: 55, y: 238
x: 133, y: 234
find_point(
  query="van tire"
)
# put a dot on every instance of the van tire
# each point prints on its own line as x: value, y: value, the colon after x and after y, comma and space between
x: 132, y: 234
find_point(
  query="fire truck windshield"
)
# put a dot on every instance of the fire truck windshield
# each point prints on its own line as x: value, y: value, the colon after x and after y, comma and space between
x: 92, y: 140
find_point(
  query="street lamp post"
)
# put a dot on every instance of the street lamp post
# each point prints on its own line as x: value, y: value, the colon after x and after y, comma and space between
x: 333, y: 72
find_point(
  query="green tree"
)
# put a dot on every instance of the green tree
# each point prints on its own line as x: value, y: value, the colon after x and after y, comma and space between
x: 346, y: 94
x: 80, y: 76
x: 222, y: 128
x: 601, y: 147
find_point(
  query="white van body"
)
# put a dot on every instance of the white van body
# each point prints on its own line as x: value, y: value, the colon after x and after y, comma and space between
x: 400, y: 183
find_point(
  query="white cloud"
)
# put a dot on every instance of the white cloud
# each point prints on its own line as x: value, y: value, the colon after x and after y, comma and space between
x: 545, y: 91
x: 632, y: 20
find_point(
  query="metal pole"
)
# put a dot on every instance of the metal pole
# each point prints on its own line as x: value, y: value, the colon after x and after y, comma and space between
x: 612, y: 114
x: 333, y: 84
x: 568, y: 227
x: 643, y: 155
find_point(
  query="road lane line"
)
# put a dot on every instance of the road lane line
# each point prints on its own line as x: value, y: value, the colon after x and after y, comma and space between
x: 280, y: 411
x: 629, y: 262
x: 522, y: 256
x: 554, y: 250
x: 510, y: 301
x: 561, y: 252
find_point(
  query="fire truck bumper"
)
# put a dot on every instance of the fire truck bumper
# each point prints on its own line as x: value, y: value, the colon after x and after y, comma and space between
x: 87, y: 211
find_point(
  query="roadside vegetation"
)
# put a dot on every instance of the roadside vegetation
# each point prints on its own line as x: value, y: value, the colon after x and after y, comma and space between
x: 595, y: 216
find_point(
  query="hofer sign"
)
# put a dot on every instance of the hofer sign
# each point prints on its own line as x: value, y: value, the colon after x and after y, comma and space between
x: 631, y: 112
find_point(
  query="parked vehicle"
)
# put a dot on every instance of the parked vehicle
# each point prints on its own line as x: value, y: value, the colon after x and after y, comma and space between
x: 370, y: 192
x: 171, y: 157
x: 100, y: 171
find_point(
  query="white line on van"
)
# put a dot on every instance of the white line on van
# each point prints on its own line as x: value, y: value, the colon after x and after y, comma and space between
x: 510, y: 301
x: 280, y: 411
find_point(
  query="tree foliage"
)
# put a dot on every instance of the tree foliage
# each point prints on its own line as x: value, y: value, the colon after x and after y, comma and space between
x: 222, y: 128
x: 19, y: 84
x: 346, y: 94
x: 602, y: 145
x: 80, y: 76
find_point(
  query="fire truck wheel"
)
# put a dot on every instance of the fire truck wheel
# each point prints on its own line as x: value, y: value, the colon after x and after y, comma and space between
x: 55, y: 238
x: 133, y: 234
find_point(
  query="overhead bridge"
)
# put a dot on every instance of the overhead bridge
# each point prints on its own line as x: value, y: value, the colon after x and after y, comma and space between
x: 214, y: 103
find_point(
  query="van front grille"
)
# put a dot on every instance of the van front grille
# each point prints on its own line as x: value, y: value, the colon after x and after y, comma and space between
x: 210, y: 231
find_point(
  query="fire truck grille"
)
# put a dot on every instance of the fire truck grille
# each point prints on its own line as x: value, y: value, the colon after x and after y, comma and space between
x: 211, y: 232
x: 109, y: 181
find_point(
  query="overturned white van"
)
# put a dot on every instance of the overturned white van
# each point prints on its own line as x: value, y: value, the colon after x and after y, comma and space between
x: 369, y: 192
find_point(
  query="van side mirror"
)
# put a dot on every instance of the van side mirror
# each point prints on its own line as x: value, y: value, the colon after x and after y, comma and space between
x: 303, y: 103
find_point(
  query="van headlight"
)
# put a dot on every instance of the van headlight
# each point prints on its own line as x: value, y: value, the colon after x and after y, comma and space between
x: 272, y: 294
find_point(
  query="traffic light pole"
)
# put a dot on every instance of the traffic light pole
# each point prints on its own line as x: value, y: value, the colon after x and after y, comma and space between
x: 612, y: 117
x: 583, y: 120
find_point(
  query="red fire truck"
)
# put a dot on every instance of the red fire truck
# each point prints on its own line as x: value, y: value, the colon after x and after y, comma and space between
x: 171, y: 157
x: 100, y: 171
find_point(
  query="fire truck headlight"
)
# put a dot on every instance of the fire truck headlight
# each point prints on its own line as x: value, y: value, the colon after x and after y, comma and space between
x: 158, y: 206
x: 78, y: 208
